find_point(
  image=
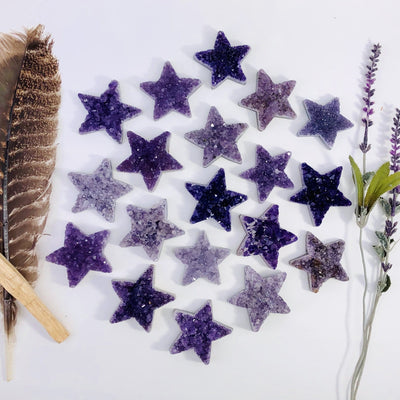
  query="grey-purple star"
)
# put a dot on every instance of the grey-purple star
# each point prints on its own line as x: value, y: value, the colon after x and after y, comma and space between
x: 170, y: 92
x: 98, y: 190
x: 81, y: 253
x: 268, y: 172
x: 224, y: 60
x: 150, y: 228
x: 325, y: 121
x: 139, y: 300
x: 149, y: 158
x: 217, y: 138
x: 198, y: 332
x: 106, y: 112
x: 260, y: 296
x: 320, y: 192
x: 321, y: 261
x: 269, y: 100
x: 201, y: 260
x: 264, y: 236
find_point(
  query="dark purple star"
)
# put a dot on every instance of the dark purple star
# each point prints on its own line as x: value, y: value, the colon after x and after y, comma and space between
x: 81, y: 254
x: 198, y: 332
x: 224, y: 60
x: 170, y: 92
x: 264, y: 236
x: 269, y: 100
x: 268, y: 172
x: 321, y: 192
x: 139, y: 300
x: 149, y: 158
x: 106, y: 112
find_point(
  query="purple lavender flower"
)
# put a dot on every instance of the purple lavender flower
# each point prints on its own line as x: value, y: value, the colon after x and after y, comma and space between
x: 395, y: 154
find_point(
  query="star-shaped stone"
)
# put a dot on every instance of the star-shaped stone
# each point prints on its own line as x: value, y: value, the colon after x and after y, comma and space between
x: 139, y: 300
x: 260, y: 296
x: 149, y: 158
x: 264, y: 236
x: 269, y: 100
x: 217, y: 138
x: 320, y: 192
x: 214, y: 201
x: 321, y: 261
x: 81, y: 253
x: 224, y: 60
x: 325, y: 121
x: 198, y: 332
x: 201, y: 260
x: 170, y: 92
x: 106, y: 112
x: 150, y: 228
x: 268, y: 172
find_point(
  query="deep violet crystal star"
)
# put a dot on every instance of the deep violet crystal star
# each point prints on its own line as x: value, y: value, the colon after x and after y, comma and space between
x: 224, y: 60
x: 214, y: 201
x: 198, y: 332
x: 320, y: 192
x: 139, y: 300
x: 268, y: 172
x: 106, y: 112
x: 325, y: 121
x: 170, y: 92
x: 81, y: 253
x: 321, y: 261
x: 260, y: 296
x: 264, y: 236
x: 149, y: 158
x: 269, y: 100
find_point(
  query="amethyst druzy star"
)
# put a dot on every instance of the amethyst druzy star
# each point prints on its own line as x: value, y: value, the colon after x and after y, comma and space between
x: 106, y: 112
x: 198, y: 332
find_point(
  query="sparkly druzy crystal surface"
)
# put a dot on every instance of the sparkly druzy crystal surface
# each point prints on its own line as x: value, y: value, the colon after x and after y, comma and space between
x: 139, y: 300
x: 201, y: 260
x: 321, y: 262
x: 106, y: 112
x: 325, y: 121
x: 217, y: 138
x: 170, y: 92
x: 149, y: 158
x: 81, y: 253
x: 224, y: 60
x: 214, y: 201
x: 260, y: 296
x: 150, y: 228
x: 268, y: 172
x: 264, y: 236
x: 269, y: 100
x: 198, y: 332
x: 320, y: 192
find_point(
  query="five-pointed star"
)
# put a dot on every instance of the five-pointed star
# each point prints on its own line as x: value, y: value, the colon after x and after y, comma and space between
x: 264, y: 236
x: 260, y: 296
x: 149, y: 158
x: 325, y: 121
x: 321, y: 261
x: 139, y: 300
x: 214, y: 201
x: 81, y: 253
x: 201, y: 260
x: 150, y: 228
x: 170, y: 92
x: 106, y: 112
x: 321, y: 192
x: 224, y: 60
x: 269, y: 100
x: 198, y: 331
x: 268, y: 172
x: 217, y: 138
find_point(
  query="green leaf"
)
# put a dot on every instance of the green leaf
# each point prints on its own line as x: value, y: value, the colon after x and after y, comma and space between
x: 367, y: 177
x: 383, y: 239
x: 385, y: 206
x: 358, y: 181
x: 397, y: 210
x: 380, y: 251
x: 387, y: 284
x: 386, y: 184
x: 376, y: 181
